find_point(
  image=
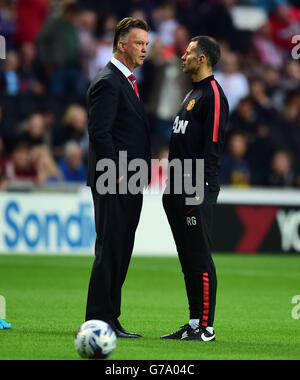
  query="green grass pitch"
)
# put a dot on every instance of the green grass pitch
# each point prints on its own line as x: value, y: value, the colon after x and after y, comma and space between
x: 46, y: 297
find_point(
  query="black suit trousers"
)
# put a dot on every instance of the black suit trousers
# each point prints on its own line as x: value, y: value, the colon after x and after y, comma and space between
x: 116, y: 220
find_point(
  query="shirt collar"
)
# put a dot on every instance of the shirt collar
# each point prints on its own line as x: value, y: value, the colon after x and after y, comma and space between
x: 203, y: 82
x: 124, y: 69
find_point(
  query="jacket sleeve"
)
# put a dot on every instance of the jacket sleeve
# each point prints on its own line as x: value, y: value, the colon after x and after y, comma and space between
x: 103, y: 108
x: 214, y: 118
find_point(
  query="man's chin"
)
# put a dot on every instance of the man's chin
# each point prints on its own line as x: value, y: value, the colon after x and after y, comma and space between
x: 140, y: 62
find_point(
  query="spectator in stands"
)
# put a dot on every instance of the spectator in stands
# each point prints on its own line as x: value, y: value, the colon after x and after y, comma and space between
x: 8, y: 23
x: 235, y: 170
x: 280, y: 83
x: 262, y: 101
x: 269, y: 54
x: 47, y: 168
x: 3, y: 181
x: 73, y: 127
x: 18, y: 167
x: 285, y: 23
x: 11, y: 65
x: 30, y: 76
x: 290, y: 80
x: 71, y: 166
x: 232, y: 80
x: 9, y: 118
x: 258, y: 93
x: 271, y: 78
x: 181, y: 42
x: 165, y: 22
x: 290, y: 124
x: 281, y: 172
x: 245, y: 118
x: 104, y: 46
x: 30, y: 16
x: 33, y: 130
x: 48, y: 112
x: 263, y: 138
x: 58, y: 51
x: 86, y: 29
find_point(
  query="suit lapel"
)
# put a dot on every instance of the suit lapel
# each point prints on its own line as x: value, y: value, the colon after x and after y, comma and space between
x: 136, y: 103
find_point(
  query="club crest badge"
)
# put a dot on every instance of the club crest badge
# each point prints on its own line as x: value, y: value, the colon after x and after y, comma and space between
x: 191, y: 104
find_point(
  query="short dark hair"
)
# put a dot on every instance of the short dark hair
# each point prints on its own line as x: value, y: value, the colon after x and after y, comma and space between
x: 123, y: 28
x: 209, y: 47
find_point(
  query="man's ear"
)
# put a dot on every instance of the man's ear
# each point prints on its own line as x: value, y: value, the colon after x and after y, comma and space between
x: 121, y: 46
x: 201, y: 59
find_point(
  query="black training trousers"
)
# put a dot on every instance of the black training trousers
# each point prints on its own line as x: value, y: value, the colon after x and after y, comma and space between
x: 192, y: 231
x: 116, y: 220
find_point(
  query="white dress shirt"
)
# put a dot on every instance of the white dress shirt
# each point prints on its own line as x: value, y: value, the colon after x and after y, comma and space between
x: 124, y: 69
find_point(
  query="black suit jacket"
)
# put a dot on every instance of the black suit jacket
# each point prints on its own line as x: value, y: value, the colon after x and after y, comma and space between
x: 117, y: 121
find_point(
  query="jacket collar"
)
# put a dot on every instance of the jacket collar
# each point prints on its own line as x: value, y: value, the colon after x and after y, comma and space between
x: 137, y: 104
x: 124, y: 69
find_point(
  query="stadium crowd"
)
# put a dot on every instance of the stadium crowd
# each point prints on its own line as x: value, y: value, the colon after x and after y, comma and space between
x: 54, y: 49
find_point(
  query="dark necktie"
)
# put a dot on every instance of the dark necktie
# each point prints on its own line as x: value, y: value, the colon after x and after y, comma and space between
x: 132, y: 79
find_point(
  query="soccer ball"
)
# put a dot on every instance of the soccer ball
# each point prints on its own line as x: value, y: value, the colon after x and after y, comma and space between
x: 95, y: 340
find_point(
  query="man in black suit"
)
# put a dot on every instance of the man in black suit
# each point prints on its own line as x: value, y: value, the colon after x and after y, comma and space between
x: 117, y: 123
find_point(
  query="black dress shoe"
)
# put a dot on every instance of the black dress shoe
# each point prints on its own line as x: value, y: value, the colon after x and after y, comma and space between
x: 121, y: 332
